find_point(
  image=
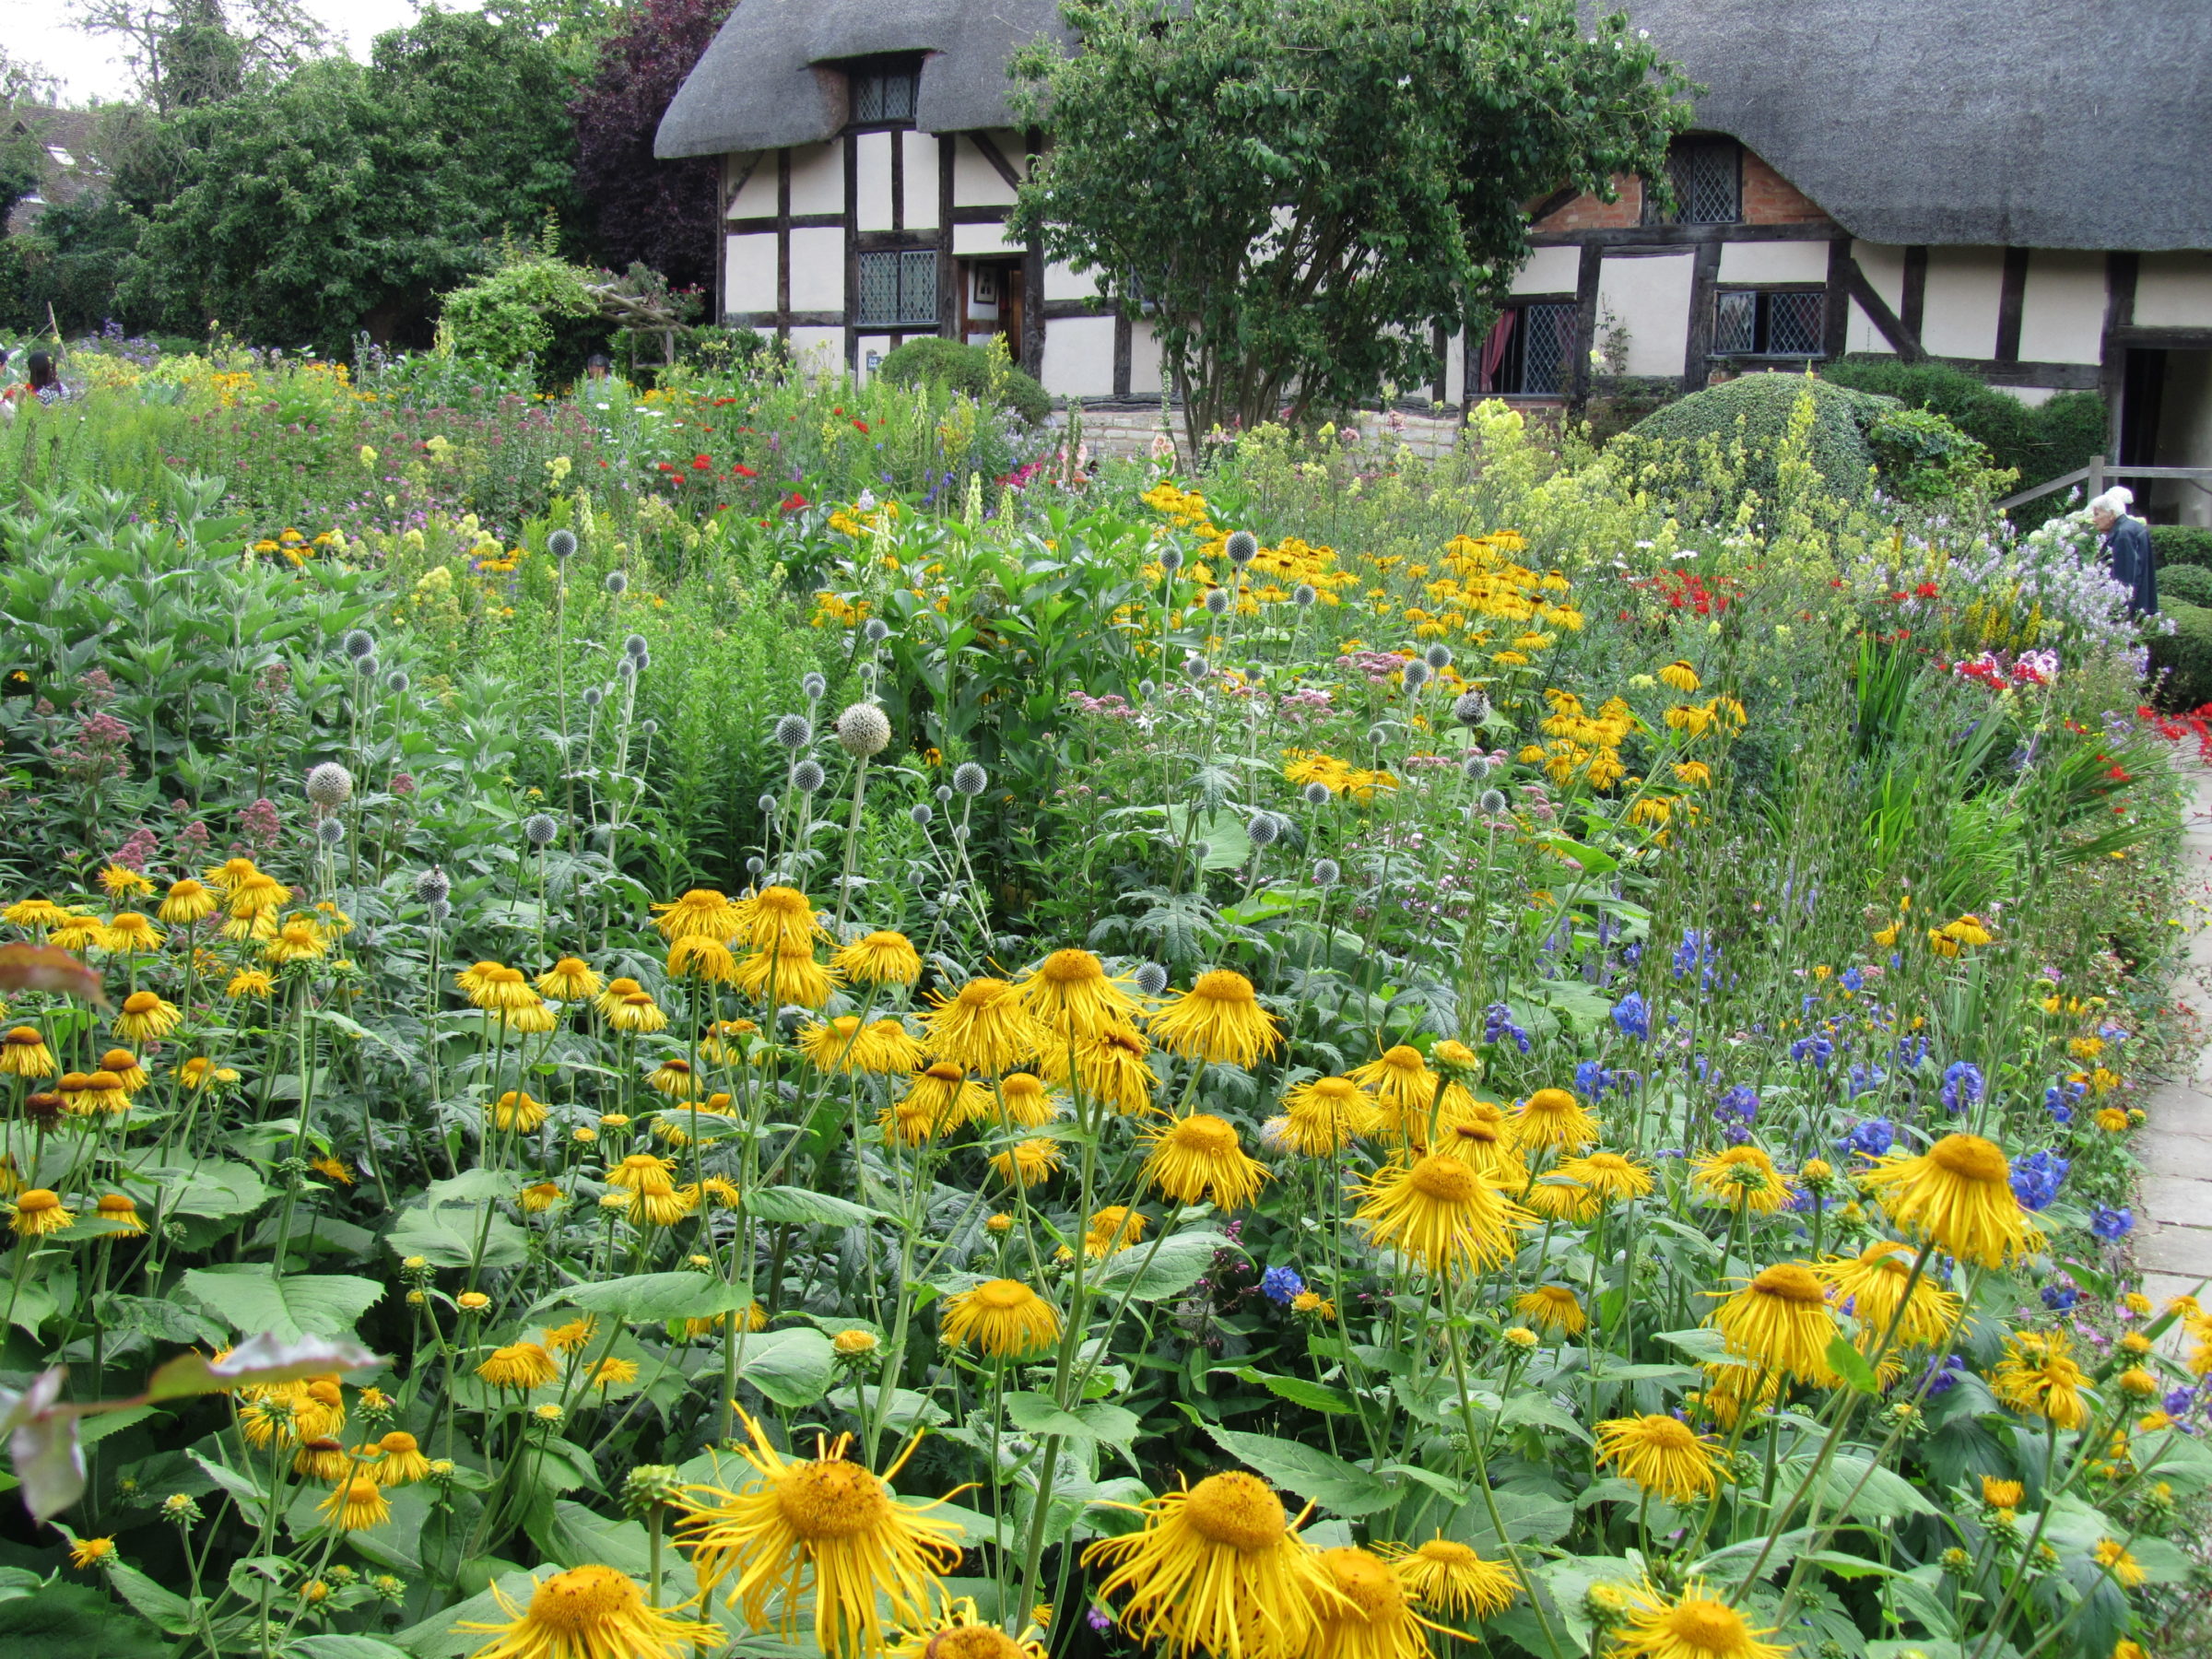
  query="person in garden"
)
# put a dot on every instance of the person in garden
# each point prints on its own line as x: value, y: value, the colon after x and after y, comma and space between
x: 598, y: 366
x: 42, y: 381
x: 2123, y: 542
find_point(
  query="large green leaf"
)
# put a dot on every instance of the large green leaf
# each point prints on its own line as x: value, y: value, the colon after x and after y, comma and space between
x: 215, y: 1188
x: 652, y: 1298
x: 1149, y: 1274
x: 1040, y: 1415
x: 799, y: 1206
x: 792, y: 1368
x: 254, y: 1298
x: 456, y: 1232
x: 1309, y: 1471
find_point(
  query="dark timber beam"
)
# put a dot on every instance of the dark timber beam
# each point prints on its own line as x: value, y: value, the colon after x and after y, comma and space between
x: 1904, y: 341
x: 2012, y: 295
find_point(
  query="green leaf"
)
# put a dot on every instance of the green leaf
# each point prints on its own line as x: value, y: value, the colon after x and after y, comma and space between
x: 651, y: 1298
x: 341, y: 1647
x: 1882, y: 1494
x: 1847, y: 1362
x: 1314, y: 1396
x: 164, y: 1609
x: 1529, y: 1518
x: 1309, y: 1472
x: 792, y: 1368
x: 1148, y: 1273
x: 254, y: 1296
x: 797, y: 1206
x: 447, y: 1235
x: 215, y: 1189
x: 1037, y: 1413
x: 1541, y: 1410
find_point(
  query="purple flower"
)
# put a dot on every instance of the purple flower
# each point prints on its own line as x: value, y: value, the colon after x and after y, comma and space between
x: 1873, y: 1137
x: 1962, y: 1085
x: 2060, y: 1298
x: 2110, y: 1224
x: 1278, y: 1284
x: 2036, y: 1178
x: 1632, y: 1017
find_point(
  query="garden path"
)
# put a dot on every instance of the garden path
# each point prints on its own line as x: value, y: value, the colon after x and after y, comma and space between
x: 2175, y: 1238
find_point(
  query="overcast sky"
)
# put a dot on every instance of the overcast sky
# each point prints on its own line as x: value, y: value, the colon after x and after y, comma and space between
x: 39, y: 31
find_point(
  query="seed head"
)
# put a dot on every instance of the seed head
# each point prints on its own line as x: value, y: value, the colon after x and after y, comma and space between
x: 1151, y: 979
x: 863, y: 730
x: 397, y: 681
x: 635, y: 645
x: 922, y: 813
x: 432, y: 885
x: 1475, y: 767
x: 1195, y: 668
x: 1262, y: 829
x: 1326, y: 874
x: 767, y: 805
x: 643, y: 659
x: 1242, y: 548
x: 1171, y: 559
x: 1145, y: 689
x: 1492, y: 802
x: 562, y: 544
x: 616, y: 583
x: 441, y: 911
x: 1317, y: 794
x: 971, y: 779
x: 794, y: 732
x: 649, y: 729
x: 806, y: 777
x: 1304, y: 594
x: 755, y: 864
x: 876, y: 630
x: 593, y: 697
x: 330, y: 832
x: 540, y: 828
x: 329, y: 784
x: 1470, y: 707
x: 359, y: 643
x: 1377, y: 737
x: 1217, y: 601
x: 626, y: 667
x: 368, y: 667
x: 815, y: 686
x: 1438, y: 655
x: 1417, y: 674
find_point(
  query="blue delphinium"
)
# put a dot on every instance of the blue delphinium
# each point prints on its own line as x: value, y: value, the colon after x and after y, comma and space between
x: 1873, y: 1137
x: 1497, y: 1024
x: 2110, y: 1224
x: 1865, y: 1079
x: 1853, y: 978
x: 1279, y: 1285
x: 1962, y: 1084
x: 2036, y: 1178
x: 1943, y: 1375
x: 1632, y: 1017
x: 1818, y: 1049
x: 2060, y: 1298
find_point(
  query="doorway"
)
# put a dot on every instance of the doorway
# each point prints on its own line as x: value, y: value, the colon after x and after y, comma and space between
x: 992, y: 303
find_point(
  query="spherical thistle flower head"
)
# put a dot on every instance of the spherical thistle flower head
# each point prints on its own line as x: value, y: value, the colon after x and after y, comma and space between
x: 1781, y: 1320
x: 1372, y: 1616
x: 1661, y: 1454
x: 1217, y: 602
x: 1698, y: 1624
x: 1217, y: 1568
x: 1111, y: 1071
x: 329, y: 785
x: 882, y: 957
x: 1447, y: 1577
x: 1415, y: 674
x: 38, y: 1211
x: 1027, y: 1163
x: 588, y: 1612
x: 863, y: 730
x: 1325, y: 1115
x: 616, y: 583
x: 1957, y: 1193
x: 562, y: 544
x: 541, y: 829
x: 1263, y: 829
x: 2038, y: 1378
x: 1150, y: 979
x: 1553, y: 1308
x: 1609, y: 1175
x: 1025, y: 1103
x: 1241, y: 548
x: 1871, y: 1286
x: 519, y: 1365
x: 356, y: 1505
x: 24, y: 1053
x: 703, y: 913
x: 823, y: 1530
x: 1115, y: 1228
x: 986, y: 1027
x: 1070, y: 995
x: 1219, y: 1020
x: 793, y: 731
x: 1744, y: 1175
x: 570, y: 980
x: 1196, y: 1157
x: 969, y: 779
x: 1440, y: 1214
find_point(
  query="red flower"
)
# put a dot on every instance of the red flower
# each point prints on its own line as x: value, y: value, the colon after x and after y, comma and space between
x: 860, y: 425
x: 739, y: 469
x: 839, y: 410
x: 702, y: 463
x: 664, y: 466
x: 1926, y: 590
x: 794, y: 501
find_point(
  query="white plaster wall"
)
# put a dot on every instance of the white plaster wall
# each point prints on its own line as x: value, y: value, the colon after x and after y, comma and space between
x: 878, y: 344
x: 1548, y: 271
x: 818, y: 351
x: 817, y: 270
x: 975, y: 182
x: 871, y: 160
x: 1455, y: 367
x: 1963, y: 289
x: 1884, y: 267
x: 1078, y: 357
x: 1651, y: 297
x: 750, y: 272
x: 920, y: 180
x: 968, y: 240
x: 1060, y: 283
x: 818, y: 179
x: 2030, y: 396
x: 1144, y: 369
x: 1774, y: 261
x: 1859, y: 332
x: 757, y: 197
x: 2061, y: 309
x: 2174, y: 291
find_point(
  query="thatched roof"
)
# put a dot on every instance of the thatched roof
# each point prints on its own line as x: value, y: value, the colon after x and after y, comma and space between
x: 2039, y: 124
x: 771, y: 77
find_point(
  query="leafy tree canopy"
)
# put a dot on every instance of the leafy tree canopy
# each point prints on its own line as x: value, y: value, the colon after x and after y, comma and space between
x: 1296, y: 191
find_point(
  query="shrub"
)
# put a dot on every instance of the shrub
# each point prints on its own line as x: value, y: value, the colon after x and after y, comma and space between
x: 2180, y: 661
x: 1923, y: 456
x: 982, y: 372
x: 1756, y: 410
x: 509, y: 314
x: 2188, y: 583
x: 2180, y: 545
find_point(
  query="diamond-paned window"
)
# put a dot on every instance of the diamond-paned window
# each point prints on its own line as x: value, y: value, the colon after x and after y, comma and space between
x: 1788, y: 323
x: 1708, y: 177
x: 1794, y: 324
x: 884, y: 94
x: 899, y: 288
x: 1547, y: 346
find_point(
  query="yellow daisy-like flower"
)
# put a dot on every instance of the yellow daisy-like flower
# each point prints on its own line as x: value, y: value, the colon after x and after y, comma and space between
x: 534, y: 1019
x: 888, y: 1049
x: 638, y: 1015
x: 1027, y: 1163
x: 519, y: 1365
x: 697, y: 956
x: 1116, y: 1227
x: 1324, y: 1115
x: 496, y: 987
x: 834, y: 1046
x: 130, y: 931
x: 674, y: 1078
x: 129, y: 1074
x: 355, y: 1506
x: 1661, y: 1454
x: 1219, y: 1020
x: 1218, y: 1569
x: 961, y: 1631
x: 1197, y: 1157
x: 24, y: 1053
x: 1371, y: 1616
x: 1404, y: 1088
x: 1002, y: 1318
x: 87, y: 1553
x: 1959, y: 1192
x: 2111, y: 1555
x: 789, y: 976
x: 2037, y: 1377
x: 1553, y: 1308
x: 322, y: 1459
x: 619, y: 990
x: 589, y: 1613
x: 1729, y: 1390
x: 1441, y: 1214
x: 1553, y: 1117
x: 1780, y: 1320
x: 249, y: 981
x: 1024, y: 1100
x: 121, y: 1211
x: 1744, y: 1175
x: 1680, y: 676
x: 705, y: 913
x: 613, y: 1372
x: 825, y: 1530
x: 301, y: 939
x: 570, y: 980
x: 985, y: 1028
x: 1113, y: 1071
x: 1871, y: 1287
x: 199, y: 1071
x: 778, y: 919
x: 516, y: 1111
x: 399, y: 1460
x: 940, y: 1099
x: 1070, y: 995
x: 40, y: 1211
x: 2002, y: 1494
x: 1697, y: 1624
x: 1609, y: 1175
x: 145, y: 1017
x: 883, y: 958
x: 1449, y: 1577
x: 36, y: 915
x: 642, y: 1172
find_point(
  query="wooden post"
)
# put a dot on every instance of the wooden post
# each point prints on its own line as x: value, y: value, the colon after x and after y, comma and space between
x: 2096, y: 476
x: 1585, y: 324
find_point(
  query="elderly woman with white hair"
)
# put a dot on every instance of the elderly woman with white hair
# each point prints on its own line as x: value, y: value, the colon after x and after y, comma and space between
x: 2124, y: 542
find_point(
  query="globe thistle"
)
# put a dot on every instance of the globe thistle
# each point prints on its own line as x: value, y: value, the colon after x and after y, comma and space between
x: 593, y: 697
x: 863, y: 730
x: 1171, y: 559
x: 876, y: 630
x: 1470, y: 707
x: 944, y: 793
x: 539, y: 828
x: 1196, y: 667
x: 368, y: 667
x: 329, y: 785
x: 1377, y: 737
x: 1438, y: 655
x: 1328, y: 873
x: 1202, y: 851
x: 626, y: 668
x: 971, y: 779
x: 960, y: 833
x: 432, y: 885
x: 806, y: 777
x: 1304, y: 594
x: 794, y: 732
x: 1316, y: 794
x: 1492, y: 802
x: 1151, y: 979
x: 643, y: 659
x: 922, y: 813
x: 1416, y: 674
x: 441, y: 912
x: 1261, y: 828
x: 635, y: 645
x: 1475, y: 768
x: 814, y: 688
x: 756, y: 864
x: 359, y: 643
x: 330, y: 832
x: 616, y: 583
x: 1217, y: 602
x: 562, y: 544
x: 1242, y: 547
x: 397, y: 681
x: 1145, y: 689
x: 767, y: 806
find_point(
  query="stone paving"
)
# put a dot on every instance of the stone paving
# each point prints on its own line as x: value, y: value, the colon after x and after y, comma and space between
x: 2174, y: 1228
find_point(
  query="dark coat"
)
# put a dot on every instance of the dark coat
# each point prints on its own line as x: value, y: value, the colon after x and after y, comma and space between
x: 2126, y: 549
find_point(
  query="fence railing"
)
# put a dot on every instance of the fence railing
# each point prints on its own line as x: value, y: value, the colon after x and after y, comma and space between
x: 2098, y: 474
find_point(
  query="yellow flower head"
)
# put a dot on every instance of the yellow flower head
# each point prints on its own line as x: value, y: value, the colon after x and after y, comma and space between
x: 1441, y: 1214
x: 1553, y: 1117
x: 883, y: 958
x: 1197, y: 1157
x: 2037, y: 1377
x: 570, y: 980
x: 1553, y: 1308
x: 1323, y: 1116
x: 1698, y: 1624
x: 1447, y: 1577
x: 1958, y: 1194
x: 1070, y: 995
x: 1002, y: 1318
x: 985, y: 1028
x: 1744, y: 1175
x: 1781, y: 1320
x: 705, y: 913
x: 1219, y: 1020
x: 588, y: 1613
x: 1661, y: 1454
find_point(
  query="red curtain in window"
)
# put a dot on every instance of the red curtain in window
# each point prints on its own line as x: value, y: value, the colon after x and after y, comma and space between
x: 1493, y: 348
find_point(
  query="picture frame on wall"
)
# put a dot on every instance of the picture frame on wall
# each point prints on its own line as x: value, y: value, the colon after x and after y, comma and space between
x: 985, y: 289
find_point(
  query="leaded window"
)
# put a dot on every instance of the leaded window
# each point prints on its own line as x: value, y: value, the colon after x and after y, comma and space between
x: 899, y: 288
x: 1754, y: 323
x: 1708, y: 179
x: 1546, y: 348
x: 884, y: 95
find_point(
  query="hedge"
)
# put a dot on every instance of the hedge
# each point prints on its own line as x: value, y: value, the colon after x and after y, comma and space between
x: 1757, y: 408
x: 974, y: 370
x: 2180, y: 545
x: 2180, y: 661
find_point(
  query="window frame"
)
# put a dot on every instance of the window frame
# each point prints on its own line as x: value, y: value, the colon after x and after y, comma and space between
x: 903, y: 320
x: 1679, y: 147
x: 1517, y: 352
x: 1763, y: 294
x: 904, y: 66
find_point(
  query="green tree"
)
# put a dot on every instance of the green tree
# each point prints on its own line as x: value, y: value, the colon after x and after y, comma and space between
x: 1297, y: 192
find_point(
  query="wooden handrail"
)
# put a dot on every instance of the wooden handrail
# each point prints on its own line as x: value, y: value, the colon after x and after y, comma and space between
x: 2096, y: 474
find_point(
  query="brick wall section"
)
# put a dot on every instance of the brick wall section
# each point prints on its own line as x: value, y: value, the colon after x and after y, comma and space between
x: 1588, y: 213
x: 1769, y: 199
